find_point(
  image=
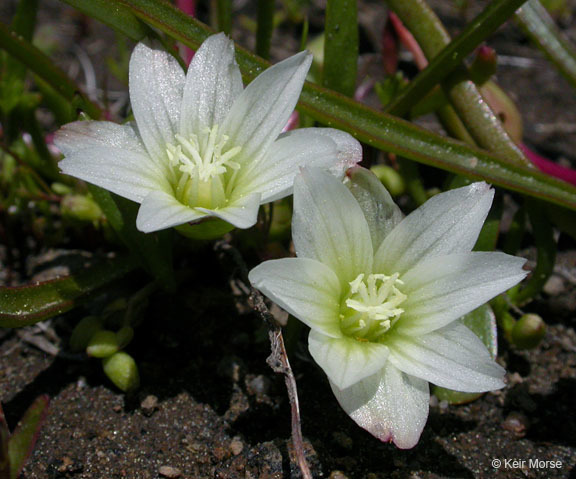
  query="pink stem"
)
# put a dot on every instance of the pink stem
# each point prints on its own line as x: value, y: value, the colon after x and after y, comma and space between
x: 549, y: 167
x: 189, y: 8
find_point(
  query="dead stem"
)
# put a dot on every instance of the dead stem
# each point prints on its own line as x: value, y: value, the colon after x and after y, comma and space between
x: 278, y: 359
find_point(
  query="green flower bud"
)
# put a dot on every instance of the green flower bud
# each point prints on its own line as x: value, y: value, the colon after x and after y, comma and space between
x: 80, y: 207
x: 390, y: 178
x: 484, y: 65
x: 61, y: 188
x: 124, y: 336
x: 528, y: 331
x: 122, y: 370
x: 83, y: 332
x: 103, y: 344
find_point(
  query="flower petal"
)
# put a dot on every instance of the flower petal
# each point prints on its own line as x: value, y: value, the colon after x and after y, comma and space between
x: 380, y: 211
x: 447, y: 223
x: 390, y: 405
x: 261, y: 111
x: 156, y: 85
x: 213, y: 82
x: 329, y: 226
x: 80, y: 135
x: 160, y: 210
x: 305, y: 288
x: 346, y: 360
x: 242, y: 213
x: 442, y: 289
x: 125, y: 172
x: 452, y: 357
x: 324, y: 148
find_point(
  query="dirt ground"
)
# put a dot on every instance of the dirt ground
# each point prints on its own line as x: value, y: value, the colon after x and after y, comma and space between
x: 209, y: 406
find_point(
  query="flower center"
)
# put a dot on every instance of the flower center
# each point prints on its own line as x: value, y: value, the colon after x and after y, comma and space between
x: 199, y: 168
x: 371, y: 307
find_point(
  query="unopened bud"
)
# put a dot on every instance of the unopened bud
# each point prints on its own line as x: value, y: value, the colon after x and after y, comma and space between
x: 484, y: 65
x: 103, y: 344
x: 124, y: 336
x: 528, y: 331
x: 390, y: 178
x: 83, y: 332
x: 122, y: 370
x: 80, y: 207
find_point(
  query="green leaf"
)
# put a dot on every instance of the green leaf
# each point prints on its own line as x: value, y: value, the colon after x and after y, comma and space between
x: 482, y: 322
x: 22, y: 442
x: 44, y: 67
x: 29, y: 304
x: 4, y: 439
x: 495, y: 14
x: 540, y: 27
x: 265, y: 19
x: 375, y: 128
x: 341, y: 46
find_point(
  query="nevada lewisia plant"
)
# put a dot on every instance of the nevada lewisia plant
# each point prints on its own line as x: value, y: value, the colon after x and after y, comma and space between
x: 202, y: 146
x: 382, y: 295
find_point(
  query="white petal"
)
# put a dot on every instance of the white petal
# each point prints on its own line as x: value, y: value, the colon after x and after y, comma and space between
x: 261, y: 111
x: 305, y: 288
x: 390, y: 405
x: 442, y: 289
x: 380, y: 211
x: 452, y: 357
x: 329, y: 226
x: 156, y: 85
x: 80, y: 135
x: 160, y: 210
x: 242, y: 213
x: 346, y: 360
x: 124, y: 172
x: 213, y: 82
x: 447, y: 223
x: 324, y: 148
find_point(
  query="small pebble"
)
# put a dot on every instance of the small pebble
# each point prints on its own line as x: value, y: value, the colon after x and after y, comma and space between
x: 169, y: 472
x: 517, y: 423
x: 236, y: 446
x: 149, y: 405
x: 338, y: 475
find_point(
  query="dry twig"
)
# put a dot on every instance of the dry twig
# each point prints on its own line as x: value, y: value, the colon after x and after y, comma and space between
x: 278, y: 359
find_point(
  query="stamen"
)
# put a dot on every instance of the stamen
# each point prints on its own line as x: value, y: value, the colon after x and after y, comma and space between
x: 198, y: 168
x: 371, y: 307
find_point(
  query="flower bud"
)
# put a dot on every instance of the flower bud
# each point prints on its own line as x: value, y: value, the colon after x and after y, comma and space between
x: 390, y: 178
x: 528, y: 331
x: 83, y: 332
x: 124, y: 336
x: 122, y: 370
x: 80, y: 207
x: 484, y: 65
x: 104, y: 343
x: 281, y: 220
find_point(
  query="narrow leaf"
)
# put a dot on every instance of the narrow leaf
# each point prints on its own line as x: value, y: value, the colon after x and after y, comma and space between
x: 371, y: 126
x: 29, y: 304
x: 341, y: 46
x: 25, y: 435
x: 540, y: 27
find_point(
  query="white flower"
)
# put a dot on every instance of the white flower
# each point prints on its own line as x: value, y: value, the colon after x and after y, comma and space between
x: 202, y: 146
x: 382, y: 295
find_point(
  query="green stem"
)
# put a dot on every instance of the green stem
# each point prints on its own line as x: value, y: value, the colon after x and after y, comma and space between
x: 546, y: 251
x: 341, y: 46
x: 446, y: 54
x: 43, y: 66
x: 265, y: 27
x: 540, y: 27
x: 224, y: 15
x: 483, y: 125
